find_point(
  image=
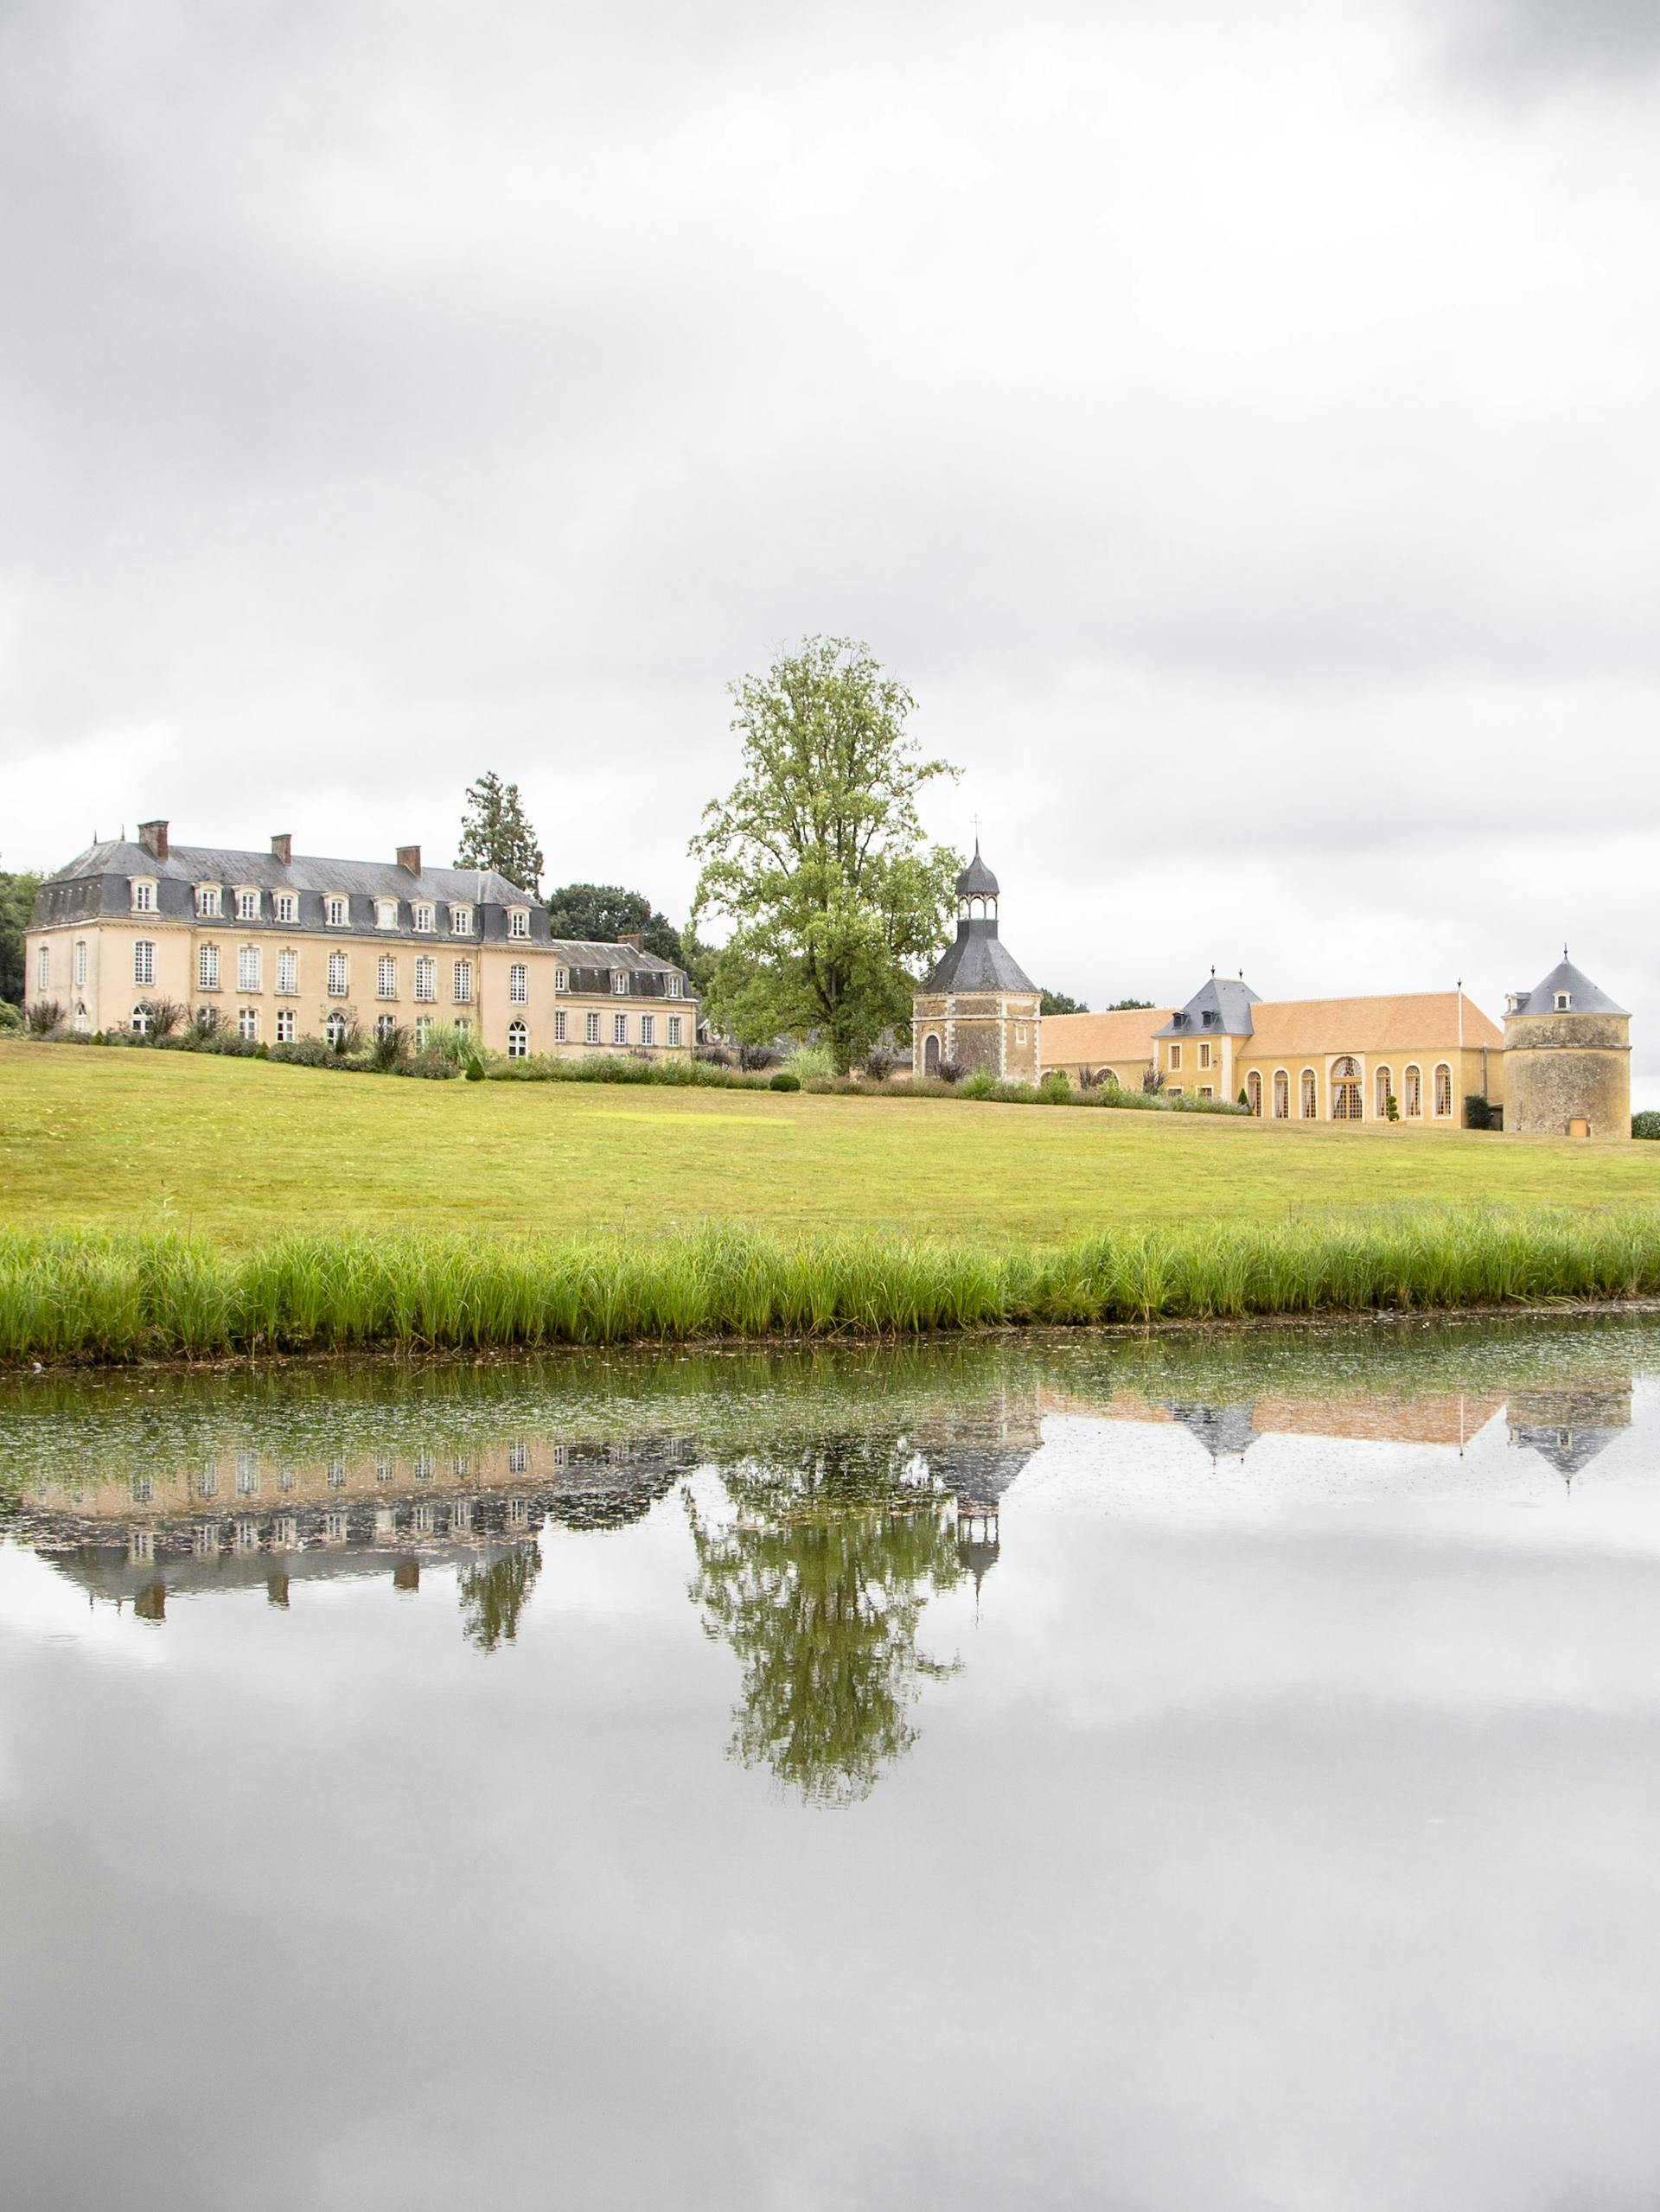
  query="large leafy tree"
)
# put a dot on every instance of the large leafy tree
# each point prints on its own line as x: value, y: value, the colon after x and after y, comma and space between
x: 816, y: 857
x: 819, y: 1584
x: 495, y: 833
x: 1056, y: 1002
x: 603, y: 912
x: 16, y: 900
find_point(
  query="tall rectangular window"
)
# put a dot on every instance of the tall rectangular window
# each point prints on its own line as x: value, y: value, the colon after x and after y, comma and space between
x: 386, y: 913
x: 590, y: 1030
x: 143, y: 898
x: 424, y: 920
x: 248, y: 1024
x: 248, y: 968
x: 81, y: 964
x: 339, y: 913
x: 287, y: 1021
x: 336, y: 975
x: 561, y: 979
x: 286, y: 906
x: 675, y: 1026
x: 561, y: 1025
x: 208, y: 899
x: 247, y: 906
x: 1175, y: 1056
x: 426, y: 978
x: 648, y: 1029
x: 620, y: 982
x: 43, y: 968
x: 288, y: 973
x: 518, y: 983
x: 207, y: 968
x: 619, y: 1029
x: 385, y: 979
x: 461, y: 920
x: 463, y: 980
x: 517, y: 923
x: 144, y: 962
x: 676, y: 986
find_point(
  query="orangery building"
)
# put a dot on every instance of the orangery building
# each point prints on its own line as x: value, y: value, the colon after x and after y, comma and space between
x: 280, y: 947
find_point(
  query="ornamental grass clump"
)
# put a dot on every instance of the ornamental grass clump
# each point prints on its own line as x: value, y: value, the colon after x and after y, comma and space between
x: 84, y: 1295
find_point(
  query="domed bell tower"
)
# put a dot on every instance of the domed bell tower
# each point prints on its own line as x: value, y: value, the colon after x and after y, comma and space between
x: 977, y: 1007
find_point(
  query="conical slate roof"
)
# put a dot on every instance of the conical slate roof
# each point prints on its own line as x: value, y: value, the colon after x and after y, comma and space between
x: 1584, y: 997
x: 976, y: 881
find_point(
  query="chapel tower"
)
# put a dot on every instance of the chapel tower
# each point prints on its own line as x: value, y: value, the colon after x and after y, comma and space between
x: 977, y: 1007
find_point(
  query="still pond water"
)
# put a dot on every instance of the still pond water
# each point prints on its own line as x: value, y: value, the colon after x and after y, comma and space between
x: 1171, y: 1773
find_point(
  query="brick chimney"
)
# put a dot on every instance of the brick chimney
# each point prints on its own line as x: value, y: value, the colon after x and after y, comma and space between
x: 153, y: 838
x: 409, y: 856
x: 632, y: 937
x: 282, y: 849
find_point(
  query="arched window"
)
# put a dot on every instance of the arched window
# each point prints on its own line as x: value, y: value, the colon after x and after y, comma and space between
x: 1254, y: 1092
x: 518, y: 1041
x: 1443, y: 1090
x: 1282, y: 1095
x: 334, y: 1029
x: 141, y: 1020
x: 1346, y: 1101
x: 1414, y: 1100
x: 931, y: 1056
x: 1310, y: 1101
x: 1384, y: 1091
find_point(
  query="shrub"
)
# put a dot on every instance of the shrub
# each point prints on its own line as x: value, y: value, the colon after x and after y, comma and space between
x: 1054, y: 1090
x: 11, y: 1022
x: 166, y: 1015
x: 1645, y: 1125
x: 980, y: 1084
x: 44, y: 1017
x: 814, y: 1063
x: 475, y: 1071
x: 785, y: 1080
x: 306, y: 1052
x: 878, y: 1065
x: 1477, y: 1112
x: 431, y: 1065
x: 754, y: 1057
x: 391, y: 1048
x: 949, y: 1071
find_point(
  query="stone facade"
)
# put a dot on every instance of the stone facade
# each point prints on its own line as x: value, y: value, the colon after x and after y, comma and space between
x: 1567, y: 1058
x: 977, y: 1008
x: 277, y: 946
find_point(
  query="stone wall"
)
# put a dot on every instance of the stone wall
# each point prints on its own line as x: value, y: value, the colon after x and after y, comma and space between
x: 1546, y: 1088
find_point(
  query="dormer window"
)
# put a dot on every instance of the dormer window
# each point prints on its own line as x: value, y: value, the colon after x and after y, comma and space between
x: 286, y: 910
x: 144, y: 895
x: 676, y: 986
x: 620, y: 982
x: 1564, y: 1001
x: 518, y: 921
x: 386, y: 913
x: 207, y: 899
x: 561, y: 979
x: 247, y: 905
x: 461, y: 920
x: 423, y: 919
x: 339, y: 913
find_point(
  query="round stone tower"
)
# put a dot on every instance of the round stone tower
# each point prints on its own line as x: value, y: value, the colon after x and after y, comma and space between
x: 977, y: 1007
x: 1567, y: 1059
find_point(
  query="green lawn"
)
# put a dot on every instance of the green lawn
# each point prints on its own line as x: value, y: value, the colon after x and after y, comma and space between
x: 244, y: 1149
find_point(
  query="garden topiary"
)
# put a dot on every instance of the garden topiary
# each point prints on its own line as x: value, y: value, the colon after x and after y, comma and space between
x: 783, y: 1081
x: 1645, y: 1125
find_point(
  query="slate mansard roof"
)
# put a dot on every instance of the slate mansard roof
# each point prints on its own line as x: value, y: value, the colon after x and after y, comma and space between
x: 1583, y: 994
x: 208, y: 864
x: 978, y: 961
x: 1221, y: 1007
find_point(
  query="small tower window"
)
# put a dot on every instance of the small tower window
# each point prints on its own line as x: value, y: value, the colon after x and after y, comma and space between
x: 1564, y: 1001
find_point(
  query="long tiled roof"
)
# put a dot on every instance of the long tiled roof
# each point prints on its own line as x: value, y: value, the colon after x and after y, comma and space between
x: 1087, y: 1039
x: 1417, y: 1021
x: 207, y: 864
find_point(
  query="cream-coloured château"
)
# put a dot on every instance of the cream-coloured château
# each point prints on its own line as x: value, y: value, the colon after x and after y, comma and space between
x: 278, y: 945
x: 1560, y: 1067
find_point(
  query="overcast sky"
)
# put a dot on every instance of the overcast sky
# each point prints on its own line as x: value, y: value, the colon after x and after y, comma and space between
x: 1237, y: 425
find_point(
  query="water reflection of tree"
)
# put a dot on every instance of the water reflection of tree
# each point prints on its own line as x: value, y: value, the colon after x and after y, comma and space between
x: 493, y: 1597
x: 819, y: 1586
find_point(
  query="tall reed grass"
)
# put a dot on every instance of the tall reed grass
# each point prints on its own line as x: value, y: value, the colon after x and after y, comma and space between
x: 101, y: 1296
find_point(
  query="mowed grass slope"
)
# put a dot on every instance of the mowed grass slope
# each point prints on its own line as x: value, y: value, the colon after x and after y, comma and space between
x: 244, y: 1150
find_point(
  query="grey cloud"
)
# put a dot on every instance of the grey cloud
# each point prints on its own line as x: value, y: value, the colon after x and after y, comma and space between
x: 1539, y: 43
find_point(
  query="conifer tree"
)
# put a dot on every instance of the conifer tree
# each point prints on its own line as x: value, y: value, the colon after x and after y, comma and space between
x: 495, y: 833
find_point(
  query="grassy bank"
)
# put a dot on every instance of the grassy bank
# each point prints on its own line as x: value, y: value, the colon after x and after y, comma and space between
x: 101, y: 1296
x: 241, y: 1151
